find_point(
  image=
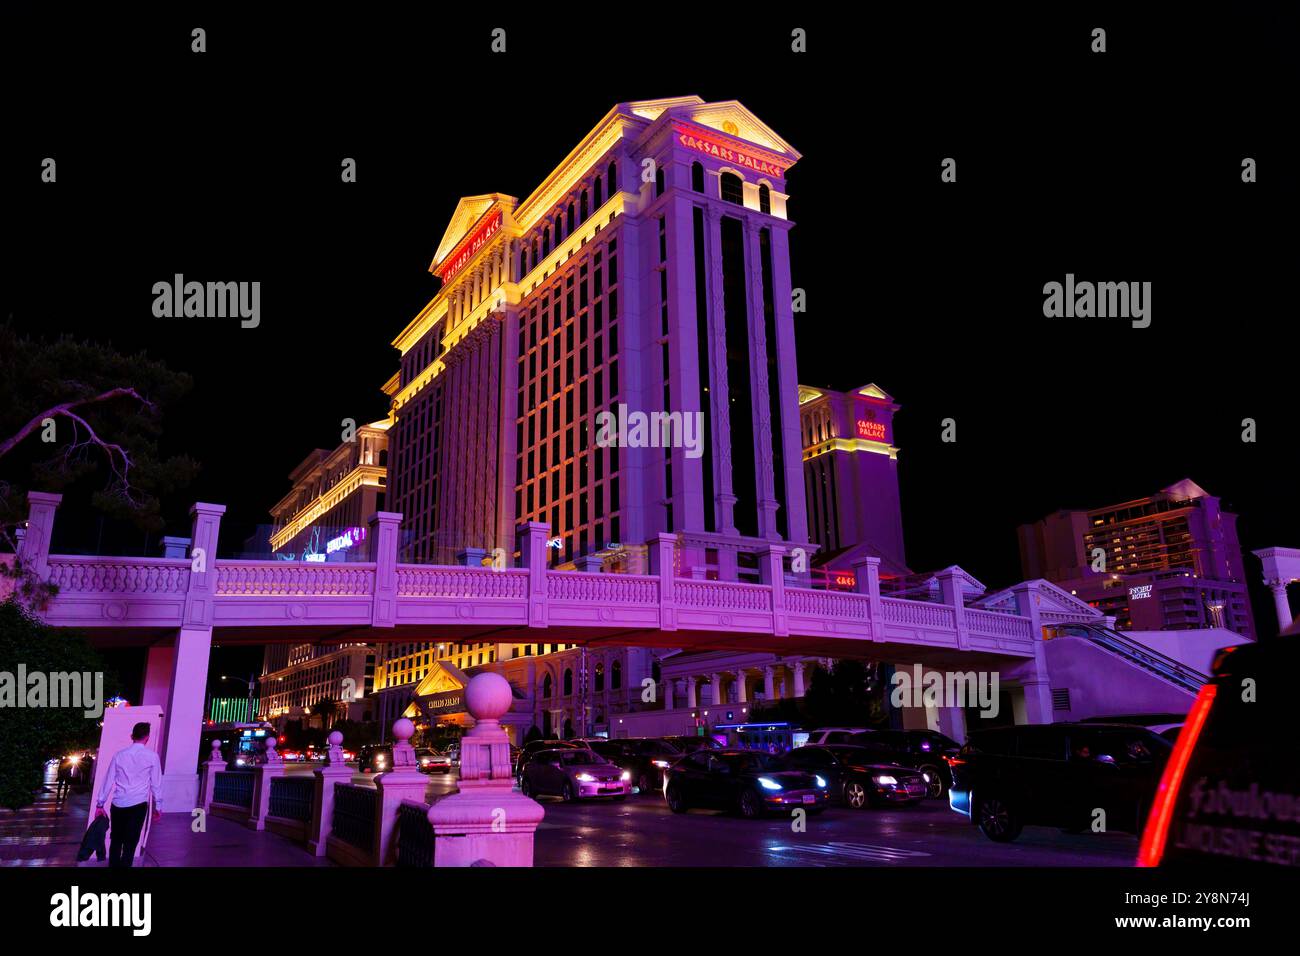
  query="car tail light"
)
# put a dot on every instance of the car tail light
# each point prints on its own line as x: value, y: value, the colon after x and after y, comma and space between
x: 1162, y: 807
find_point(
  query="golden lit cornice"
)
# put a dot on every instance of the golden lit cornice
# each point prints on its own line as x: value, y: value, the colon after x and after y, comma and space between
x: 505, y: 295
x: 850, y: 445
x: 807, y: 394
x: 354, y: 480
x: 566, y: 175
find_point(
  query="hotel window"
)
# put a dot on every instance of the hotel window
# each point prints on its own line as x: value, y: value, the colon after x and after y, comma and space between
x: 659, y: 180
x: 611, y: 174
x: 697, y: 177
x: 568, y: 228
x: 764, y: 199
x: 733, y: 189
x: 596, y: 192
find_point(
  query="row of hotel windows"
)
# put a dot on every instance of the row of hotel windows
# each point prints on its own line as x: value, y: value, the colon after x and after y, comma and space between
x: 419, y: 429
x: 563, y: 376
x: 563, y: 220
x: 598, y: 681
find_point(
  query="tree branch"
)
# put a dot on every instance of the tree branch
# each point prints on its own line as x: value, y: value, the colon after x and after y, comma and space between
x: 65, y: 409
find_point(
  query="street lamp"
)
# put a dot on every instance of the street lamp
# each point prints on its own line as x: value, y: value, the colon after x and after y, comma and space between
x: 251, y: 680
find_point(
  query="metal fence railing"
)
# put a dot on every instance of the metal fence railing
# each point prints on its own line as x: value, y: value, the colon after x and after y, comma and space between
x: 414, y: 835
x: 291, y: 797
x: 233, y: 788
x: 354, y: 815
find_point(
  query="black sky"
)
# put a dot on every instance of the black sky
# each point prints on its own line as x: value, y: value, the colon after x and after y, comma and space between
x: 1119, y: 166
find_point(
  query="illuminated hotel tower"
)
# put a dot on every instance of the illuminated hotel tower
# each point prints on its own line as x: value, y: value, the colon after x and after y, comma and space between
x: 649, y: 269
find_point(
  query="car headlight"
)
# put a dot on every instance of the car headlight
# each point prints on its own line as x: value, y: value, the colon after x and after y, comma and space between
x: 925, y: 777
x: 885, y: 780
x: 586, y: 777
x: 661, y: 764
x: 627, y: 775
x: 767, y: 783
x: 821, y: 781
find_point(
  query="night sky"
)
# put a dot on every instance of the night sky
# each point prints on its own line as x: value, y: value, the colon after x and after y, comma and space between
x: 1123, y: 166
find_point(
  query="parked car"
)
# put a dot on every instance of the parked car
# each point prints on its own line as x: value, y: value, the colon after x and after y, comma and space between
x: 832, y: 735
x: 646, y: 758
x: 431, y: 761
x: 856, y: 777
x: 1057, y: 775
x: 1166, y: 725
x: 1231, y: 773
x: 533, y: 746
x: 689, y: 743
x: 922, y: 750
x: 573, y: 773
x: 749, y: 782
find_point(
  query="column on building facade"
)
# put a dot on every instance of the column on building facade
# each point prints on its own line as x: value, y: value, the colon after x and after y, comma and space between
x: 788, y: 387
x: 718, y: 697
x: 760, y: 400
x: 724, y: 495
x: 667, y: 686
x: 691, y: 700
x: 684, y: 369
x: 742, y: 693
x: 769, y: 682
x: 798, y: 678
x: 1281, y: 603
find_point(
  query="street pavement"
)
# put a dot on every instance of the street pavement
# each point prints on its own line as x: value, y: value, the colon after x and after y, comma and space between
x: 642, y: 831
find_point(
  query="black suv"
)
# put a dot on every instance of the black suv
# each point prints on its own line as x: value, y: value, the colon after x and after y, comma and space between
x: 1057, y: 775
x: 1227, y: 797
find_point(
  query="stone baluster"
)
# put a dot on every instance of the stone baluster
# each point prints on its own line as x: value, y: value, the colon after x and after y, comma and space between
x: 485, y: 822
x: 403, y: 782
x: 272, y: 767
x: 322, y: 811
x: 214, y: 765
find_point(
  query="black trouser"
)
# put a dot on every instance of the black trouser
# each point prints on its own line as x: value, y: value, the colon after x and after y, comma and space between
x: 127, y: 822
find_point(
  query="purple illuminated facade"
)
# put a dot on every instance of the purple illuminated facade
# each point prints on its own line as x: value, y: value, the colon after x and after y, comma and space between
x: 649, y: 271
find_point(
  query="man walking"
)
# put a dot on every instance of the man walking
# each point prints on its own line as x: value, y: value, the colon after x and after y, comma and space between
x: 133, y: 775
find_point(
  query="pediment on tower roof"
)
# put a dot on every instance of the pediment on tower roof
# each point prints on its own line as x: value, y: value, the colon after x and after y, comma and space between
x: 731, y: 118
x: 469, y: 211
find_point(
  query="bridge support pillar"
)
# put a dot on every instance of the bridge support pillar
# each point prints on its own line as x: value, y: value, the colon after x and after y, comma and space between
x: 183, y: 719
x: 157, y: 674
x: 1036, y: 707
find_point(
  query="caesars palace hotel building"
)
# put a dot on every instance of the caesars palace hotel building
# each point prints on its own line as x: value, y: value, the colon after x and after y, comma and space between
x: 648, y: 272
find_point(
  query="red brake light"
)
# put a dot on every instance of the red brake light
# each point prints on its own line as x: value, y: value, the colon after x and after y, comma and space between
x: 1162, y: 807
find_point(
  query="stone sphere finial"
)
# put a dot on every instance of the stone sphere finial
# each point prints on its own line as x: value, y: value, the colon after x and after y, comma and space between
x: 271, y: 743
x: 403, y: 729
x: 336, y: 738
x: 216, y: 750
x: 488, y: 696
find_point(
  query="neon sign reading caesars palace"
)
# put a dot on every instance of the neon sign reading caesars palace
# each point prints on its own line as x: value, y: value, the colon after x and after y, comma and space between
x: 477, y: 240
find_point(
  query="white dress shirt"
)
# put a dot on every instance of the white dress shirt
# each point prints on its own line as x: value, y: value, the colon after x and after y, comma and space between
x: 133, y: 773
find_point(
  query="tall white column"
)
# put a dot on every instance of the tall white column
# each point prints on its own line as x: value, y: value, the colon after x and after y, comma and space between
x: 798, y: 678
x: 769, y: 682
x: 1281, y: 603
x: 690, y: 693
x: 742, y: 694
x: 717, y: 689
